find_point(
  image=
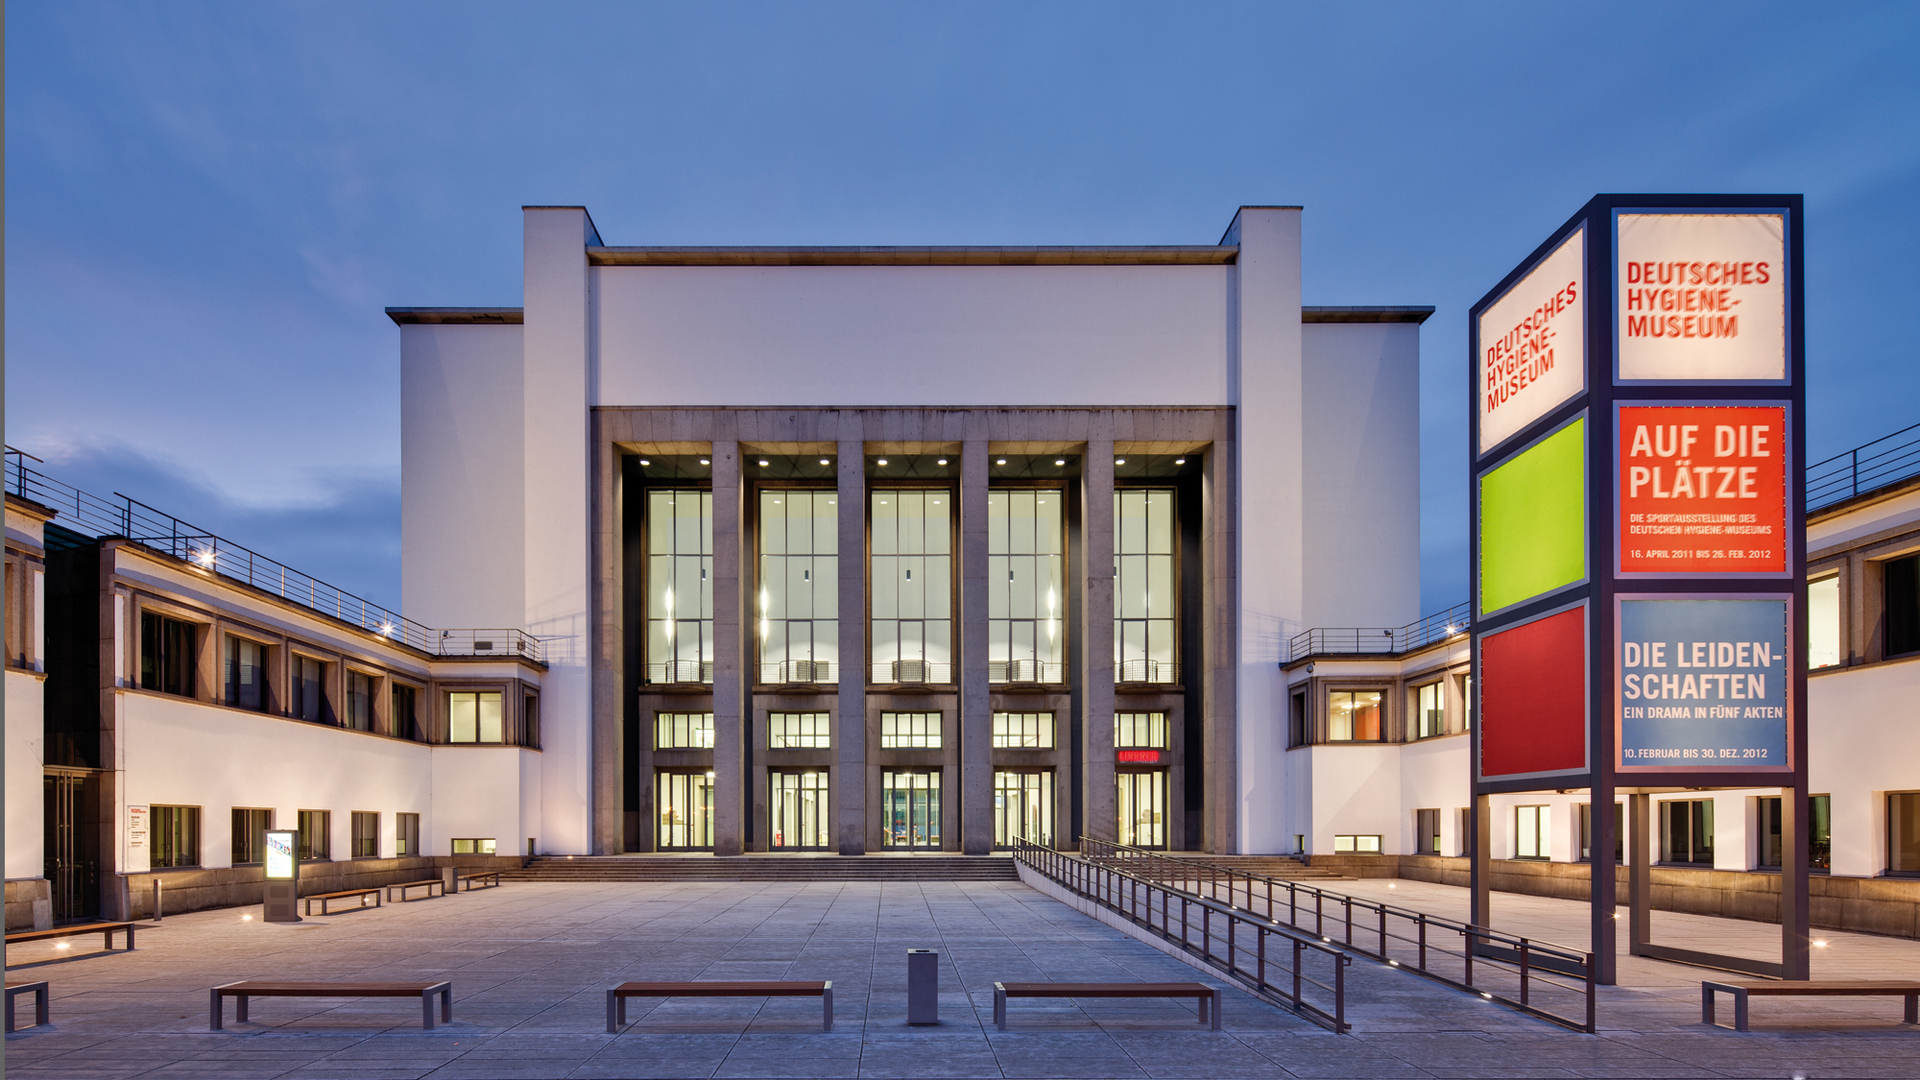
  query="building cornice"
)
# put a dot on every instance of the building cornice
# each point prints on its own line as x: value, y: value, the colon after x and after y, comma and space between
x: 1415, y: 315
x: 1167, y: 255
x: 406, y: 316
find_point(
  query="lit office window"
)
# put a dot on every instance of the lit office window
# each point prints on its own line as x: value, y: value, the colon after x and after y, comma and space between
x: 1143, y: 594
x: 912, y: 576
x: 1023, y: 730
x: 910, y: 808
x: 175, y: 836
x: 679, y: 586
x: 1353, y: 716
x: 1823, y: 622
x: 474, y: 716
x: 799, y: 730
x: 684, y: 798
x: 1140, y: 729
x: 1430, y: 710
x: 1466, y: 703
x: 1026, y: 591
x: 909, y: 731
x: 1686, y: 829
x: 246, y: 673
x: 799, y: 600
x: 1531, y: 832
x: 1356, y: 844
x: 683, y: 731
x: 799, y: 807
x: 473, y: 845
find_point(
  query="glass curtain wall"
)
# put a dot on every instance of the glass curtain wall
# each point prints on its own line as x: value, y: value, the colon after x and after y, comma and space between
x: 912, y: 586
x: 679, y: 586
x: 1143, y: 595
x: 910, y: 808
x: 1022, y: 807
x: 800, y: 806
x: 685, y: 802
x: 1026, y: 591
x: 1143, y: 808
x: 799, y: 600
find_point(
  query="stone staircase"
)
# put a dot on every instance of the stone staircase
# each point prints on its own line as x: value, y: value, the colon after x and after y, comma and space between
x: 1282, y: 867
x: 760, y: 867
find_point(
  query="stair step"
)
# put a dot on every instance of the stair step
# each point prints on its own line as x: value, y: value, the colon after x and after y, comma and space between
x: 766, y: 868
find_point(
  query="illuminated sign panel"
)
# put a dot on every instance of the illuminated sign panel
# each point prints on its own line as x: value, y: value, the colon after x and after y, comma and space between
x: 1703, y: 683
x: 1533, y: 520
x: 1533, y: 345
x: 1701, y: 297
x: 279, y: 861
x: 1702, y: 489
x: 1533, y: 697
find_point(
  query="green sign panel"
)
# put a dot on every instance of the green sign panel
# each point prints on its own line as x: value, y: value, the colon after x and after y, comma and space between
x: 1533, y: 520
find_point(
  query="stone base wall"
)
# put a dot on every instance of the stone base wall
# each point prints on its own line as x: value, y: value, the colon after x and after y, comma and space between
x: 198, y: 890
x: 1869, y: 905
x: 29, y: 904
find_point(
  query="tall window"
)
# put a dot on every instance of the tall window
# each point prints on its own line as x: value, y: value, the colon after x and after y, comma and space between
x: 360, y: 701
x: 474, y: 716
x: 1819, y: 832
x: 366, y: 835
x: 799, y: 730
x: 912, y: 586
x: 1466, y: 703
x: 406, y: 721
x: 1142, y: 807
x: 1426, y: 832
x: 800, y: 807
x: 1023, y: 730
x: 684, y: 798
x: 530, y: 720
x: 250, y: 834
x: 1903, y: 832
x: 1430, y: 710
x: 799, y: 602
x: 1142, y: 729
x: 176, y: 836
x: 909, y: 731
x: 308, y: 699
x: 1297, y: 719
x: 1353, y: 716
x: 683, y: 731
x: 1022, y: 807
x: 1586, y: 833
x: 1532, y: 836
x: 1026, y: 591
x: 166, y: 654
x: 1686, y: 827
x: 406, y: 835
x: 679, y: 586
x: 910, y: 808
x: 1823, y: 622
x: 246, y: 673
x: 1903, y: 605
x: 1143, y: 596
x: 315, y: 837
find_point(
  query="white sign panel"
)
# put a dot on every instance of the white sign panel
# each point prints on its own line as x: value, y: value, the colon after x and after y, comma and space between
x: 139, y: 858
x: 279, y: 861
x: 1533, y: 344
x: 1702, y: 297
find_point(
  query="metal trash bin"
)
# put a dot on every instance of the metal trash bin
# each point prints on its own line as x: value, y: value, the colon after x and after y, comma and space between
x: 923, y: 986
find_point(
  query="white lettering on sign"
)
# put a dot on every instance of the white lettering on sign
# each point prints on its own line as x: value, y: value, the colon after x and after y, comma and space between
x: 1533, y: 344
x: 1701, y: 296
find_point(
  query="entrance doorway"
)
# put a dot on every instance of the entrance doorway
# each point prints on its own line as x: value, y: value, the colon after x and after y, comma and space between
x: 1023, y: 807
x: 910, y: 809
x: 685, y: 801
x: 72, y: 836
x: 1142, y: 806
x: 800, y: 808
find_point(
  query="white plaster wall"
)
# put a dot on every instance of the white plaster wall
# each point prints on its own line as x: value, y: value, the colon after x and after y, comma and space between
x: 482, y: 791
x: 1433, y: 776
x: 1361, y: 441
x: 176, y: 752
x: 461, y: 533
x: 1900, y: 510
x: 26, y: 756
x: 911, y: 336
x: 1863, y: 740
x: 1349, y: 782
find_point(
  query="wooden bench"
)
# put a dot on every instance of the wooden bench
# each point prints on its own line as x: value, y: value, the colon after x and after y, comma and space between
x: 327, y: 897
x: 107, y: 928
x: 429, y: 884
x: 1907, y: 988
x: 39, y: 992
x: 252, y: 989
x: 491, y: 877
x: 1207, y: 995
x: 617, y: 997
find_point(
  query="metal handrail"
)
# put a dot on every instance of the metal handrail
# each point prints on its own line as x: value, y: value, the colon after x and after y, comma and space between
x: 1457, y: 619
x: 1499, y: 967
x: 1864, y: 468
x: 160, y: 531
x: 1222, y: 931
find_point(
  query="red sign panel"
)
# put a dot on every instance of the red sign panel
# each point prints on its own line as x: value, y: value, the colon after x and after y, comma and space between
x: 1703, y: 489
x: 1151, y: 757
x: 1533, y: 697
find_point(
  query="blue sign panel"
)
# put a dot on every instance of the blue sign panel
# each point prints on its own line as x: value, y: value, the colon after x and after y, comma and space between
x: 1703, y: 684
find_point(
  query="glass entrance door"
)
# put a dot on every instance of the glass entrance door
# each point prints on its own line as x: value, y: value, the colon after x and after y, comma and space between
x: 1023, y: 807
x: 1142, y: 806
x: 910, y: 809
x: 800, y: 808
x: 71, y: 833
x: 685, y: 802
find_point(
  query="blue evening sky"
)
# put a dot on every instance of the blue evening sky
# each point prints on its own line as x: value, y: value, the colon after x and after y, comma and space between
x: 209, y: 204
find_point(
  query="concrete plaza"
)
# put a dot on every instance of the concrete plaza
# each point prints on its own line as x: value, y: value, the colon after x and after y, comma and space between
x: 530, y: 962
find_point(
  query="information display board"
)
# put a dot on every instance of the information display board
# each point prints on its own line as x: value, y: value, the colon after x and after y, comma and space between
x: 279, y: 863
x: 1703, y: 683
x: 1702, y: 489
x: 1532, y: 344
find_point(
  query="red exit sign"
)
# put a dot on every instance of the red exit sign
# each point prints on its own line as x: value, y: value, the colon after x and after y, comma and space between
x: 1151, y: 757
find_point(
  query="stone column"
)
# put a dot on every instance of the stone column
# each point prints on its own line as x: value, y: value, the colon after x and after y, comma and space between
x: 730, y: 787
x: 1096, y: 560
x: 976, y: 715
x: 850, y: 734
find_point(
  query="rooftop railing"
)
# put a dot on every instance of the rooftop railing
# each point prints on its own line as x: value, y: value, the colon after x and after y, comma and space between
x: 1457, y: 619
x: 136, y: 521
x: 1883, y: 461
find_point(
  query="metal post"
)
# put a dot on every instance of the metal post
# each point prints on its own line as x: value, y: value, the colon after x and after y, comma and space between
x: 1296, y: 973
x: 1480, y: 859
x: 1639, y: 876
x: 1796, y: 959
x: 1423, y: 941
x: 1523, y: 971
x: 157, y: 892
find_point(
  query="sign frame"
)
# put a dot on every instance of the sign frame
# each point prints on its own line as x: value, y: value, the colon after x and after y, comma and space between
x: 1789, y: 210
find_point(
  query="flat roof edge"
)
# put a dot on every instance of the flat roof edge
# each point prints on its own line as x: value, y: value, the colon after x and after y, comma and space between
x: 1414, y: 315
x: 404, y: 316
x: 1134, y: 255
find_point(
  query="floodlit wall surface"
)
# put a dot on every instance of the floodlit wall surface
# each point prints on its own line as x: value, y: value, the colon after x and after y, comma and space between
x: 26, y: 747
x: 911, y: 335
x: 1861, y: 745
x: 484, y: 792
x: 1348, y: 781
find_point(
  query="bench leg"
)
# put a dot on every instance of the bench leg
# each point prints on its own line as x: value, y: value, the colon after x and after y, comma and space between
x: 1216, y: 1009
x: 1739, y: 1010
x: 129, y: 938
x: 826, y: 1009
x: 240, y: 1008
x: 1706, y: 1004
x: 1913, y: 1008
x: 43, y: 1005
x: 446, y: 1005
x: 213, y: 1010
x: 1000, y: 1010
x: 613, y: 1007
x: 426, y: 1010
x: 10, y: 1013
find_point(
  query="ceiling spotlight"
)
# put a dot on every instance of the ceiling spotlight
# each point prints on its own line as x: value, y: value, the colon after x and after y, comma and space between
x: 1059, y: 461
x: 764, y: 462
x: 1002, y: 461
x: 943, y: 461
x: 644, y: 461
x: 705, y: 461
x: 824, y: 461
x: 1119, y: 461
x: 881, y: 461
x: 1179, y: 461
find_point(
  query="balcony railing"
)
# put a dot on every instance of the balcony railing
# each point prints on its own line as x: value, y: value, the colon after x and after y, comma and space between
x: 912, y: 672
x: 136, y: 521
x: 1883, y: 461
x: 809, y: 672
x: 1025, y: 671
x: 1457, y: 619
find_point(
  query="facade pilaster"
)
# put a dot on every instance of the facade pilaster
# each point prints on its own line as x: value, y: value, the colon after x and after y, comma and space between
x: 850, y: 735
x: 1098, y: 791
x: 976, y: 715
x: 730, y: 788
